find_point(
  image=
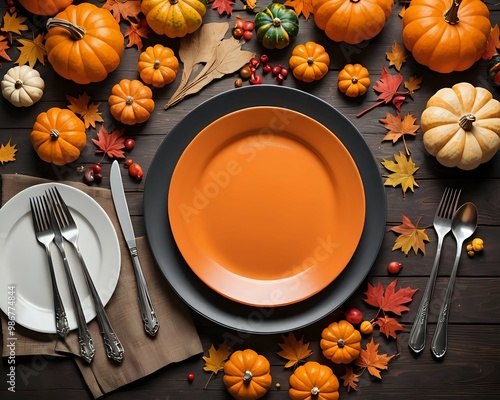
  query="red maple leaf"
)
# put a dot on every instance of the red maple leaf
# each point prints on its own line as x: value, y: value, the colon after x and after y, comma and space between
x: 110, y: 143
x: 4, y: 45
x: 389, y: 326
x: 128, y: 10
x: 389, y: 300
x: 223, y: 6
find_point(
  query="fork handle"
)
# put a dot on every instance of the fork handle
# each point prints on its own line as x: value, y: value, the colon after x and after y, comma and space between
x: 416, y: 340
x: 439, y: 342
x: 114, y: 348
x: 151, y: 324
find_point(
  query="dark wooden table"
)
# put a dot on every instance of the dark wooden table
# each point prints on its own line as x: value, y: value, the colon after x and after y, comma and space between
x: 471, y: 369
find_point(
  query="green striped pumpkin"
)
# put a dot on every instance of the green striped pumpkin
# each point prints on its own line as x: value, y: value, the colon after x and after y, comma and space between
x: 276, y: 26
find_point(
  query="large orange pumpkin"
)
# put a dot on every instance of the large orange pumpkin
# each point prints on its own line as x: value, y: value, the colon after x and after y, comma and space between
x: 45, y: 7
x: 351, y: 21
x: 84, y: 43
x: 446, y: 35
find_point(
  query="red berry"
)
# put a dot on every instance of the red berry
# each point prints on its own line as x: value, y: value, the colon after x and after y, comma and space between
x: 267, y: 68
x: 135, y: 171
x: 129, y: 144
x: 190, y: 377
x: 394, y: 266
x: 353, y: 315
x: 128, y: 162
x: 255, y: 80
x: 247, y: 35
x: 280, y: 79
x: 89, y: 175
x: 284, y: 72
x: 254, y: 63
x: 264, y: 58
x: 96, y: 168
x: 248, y: 25
x: 239, y: 23
x: 237, y: 33
x: 98, y: 177
x: 277, y: 70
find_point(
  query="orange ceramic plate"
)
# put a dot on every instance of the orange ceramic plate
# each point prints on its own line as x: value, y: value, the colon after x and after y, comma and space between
x: 267, y: 206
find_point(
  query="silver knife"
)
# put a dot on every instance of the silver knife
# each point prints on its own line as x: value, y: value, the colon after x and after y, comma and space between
x: 148, y: 313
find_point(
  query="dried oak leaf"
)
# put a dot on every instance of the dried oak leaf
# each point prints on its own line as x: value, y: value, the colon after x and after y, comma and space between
x: 389, y: 326
x: 135, y: 33
x: 84, y: 108
x: 350, y: 378
x: 7, y: 152
x: 32, y: 51
x: 398, y: 127
x: 4, y: 46
x: 223, y: 6
x: 397, y: 56
x: 403, y: 169
x: 410, y: 237
x: 388, y: 299
x: 371, y: 360
x: 493, y: 43
x: 13, y: 24
x: 303, y: 7
x: 110, y: 143
x: 128, y: 10
x: 295, y: 351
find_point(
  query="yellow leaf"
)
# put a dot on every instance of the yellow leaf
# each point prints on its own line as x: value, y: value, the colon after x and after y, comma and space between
x: 32, y: 51
x: 88, y: 111
x: 398, y: 55
x: 402, y: 170
x: 216, y: 358
x: 413, y: 83
x: 294, y: 350
x: 14, y: 24
x: 303, y: 7
x: 7, y: 152
x: 410, y: 237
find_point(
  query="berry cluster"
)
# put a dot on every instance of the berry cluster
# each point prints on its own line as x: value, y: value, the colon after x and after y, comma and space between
x: 249, y: 71
x: 243, y: 28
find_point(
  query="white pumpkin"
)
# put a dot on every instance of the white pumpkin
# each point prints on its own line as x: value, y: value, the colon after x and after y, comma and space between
x: 461, y: 126
x: 22, y: 86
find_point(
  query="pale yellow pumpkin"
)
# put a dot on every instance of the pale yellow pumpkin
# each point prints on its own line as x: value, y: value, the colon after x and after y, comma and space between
x: 22, y: 86
x: 461, y: 126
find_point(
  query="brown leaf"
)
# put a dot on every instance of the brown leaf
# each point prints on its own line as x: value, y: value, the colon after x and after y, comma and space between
x: 303, y: 7
x: 397, y: 127
x: 371, y: 360
x: 295, y: 351
x: 88, y: 111
x: 389, y: 326
x: 110, y: 143
x: 493, y: 43
x: 134, y: 33
x: 32, y: 51
x: 128, y: 10
x: 403, y: 168
x: 410, y: 237
x: 7, y: 152
x: 397, y: 56
x: 350, y: 378
x: 388, y: 299
x: 216, y: 359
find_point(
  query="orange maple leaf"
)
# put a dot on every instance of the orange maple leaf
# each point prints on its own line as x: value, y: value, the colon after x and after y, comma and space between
x: 410, y: 237
x: 389, y: 326
x: 350, y: 378
x: 413, y: 83
x: 4, y: 45
x: 216, y: 359
x: 397, y: 56
x: 13, y: 24
x: 110, y: 143
x: 493, y: 43
x: 403, y: 168
x: 295, y: 351
x: 88, y: 111
x: 398, y: 127
x: 7, y: 152
x: 303, y: 7
x: 372, y: 361
x: 388, y: 299
x: 128, y: 10
x: 32, y: 51
x: 135, y: 32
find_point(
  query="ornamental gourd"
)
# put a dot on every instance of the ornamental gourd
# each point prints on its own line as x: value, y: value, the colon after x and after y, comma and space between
x: 351, y: 21
x: 446, y: 35
x: 58, y: 136
x: 340, y: 342
x: 158, y: 65
x: 45, y: 7
x: 131, y: 102
x: 22, y: 86
x: 247, y: 375
x: 84, y: 43
x: 313, y: 381
x: 309, y: 62
x: 174, y: 18
x: 353, y: 80
x: 461, y: 126
x: 276, y: 26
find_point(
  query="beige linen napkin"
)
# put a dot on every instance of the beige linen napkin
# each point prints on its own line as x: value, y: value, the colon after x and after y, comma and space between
x: 175, y: 341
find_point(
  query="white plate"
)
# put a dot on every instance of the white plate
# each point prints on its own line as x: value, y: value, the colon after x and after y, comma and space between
x: 24, y: 264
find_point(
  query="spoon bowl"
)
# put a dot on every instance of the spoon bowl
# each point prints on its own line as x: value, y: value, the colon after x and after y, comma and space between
x: 463, y: 225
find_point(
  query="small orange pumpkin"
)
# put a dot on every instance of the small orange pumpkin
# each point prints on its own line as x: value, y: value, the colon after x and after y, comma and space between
x: 340, y: 342
x: 354, y: 80
x: 131, y: 102
x: 45, y: 7
x: 313, y: 381
x: 247, y: 375
x: 158, y: 65
x: 58, y: 136
x: 309, y: 62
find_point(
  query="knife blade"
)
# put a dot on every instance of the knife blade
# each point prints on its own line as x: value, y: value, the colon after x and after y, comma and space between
x: 151, y: 324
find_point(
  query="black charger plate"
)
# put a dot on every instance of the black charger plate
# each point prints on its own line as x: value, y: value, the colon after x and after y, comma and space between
x: 188, y: 286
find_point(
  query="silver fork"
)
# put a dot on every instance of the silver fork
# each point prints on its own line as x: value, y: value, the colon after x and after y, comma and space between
x: 69, y: 231
x: 442, y: 225
x: 45, y: 236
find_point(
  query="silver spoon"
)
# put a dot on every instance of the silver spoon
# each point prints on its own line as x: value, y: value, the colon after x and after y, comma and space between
x: 463, y: 225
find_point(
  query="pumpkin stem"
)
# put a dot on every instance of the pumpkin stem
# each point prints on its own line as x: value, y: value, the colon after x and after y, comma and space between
x: 466, y: 121
x: 54, y: 134
x: 315, y: 391
x: 129, y: 100
x: 76, y: 32
x: 157, y: 64
x: 174, y: 2
x: 247, y: 376
x: 310, y: 60
x: 451, y: 16
x: 276, y: 22
x: 340, y: 343
x: 18, y: 84
x: 354, y: 79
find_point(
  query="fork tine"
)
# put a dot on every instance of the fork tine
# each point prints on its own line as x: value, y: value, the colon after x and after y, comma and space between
x: 56, y: 207
x: 449, y: 202
x: 34, y: 214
